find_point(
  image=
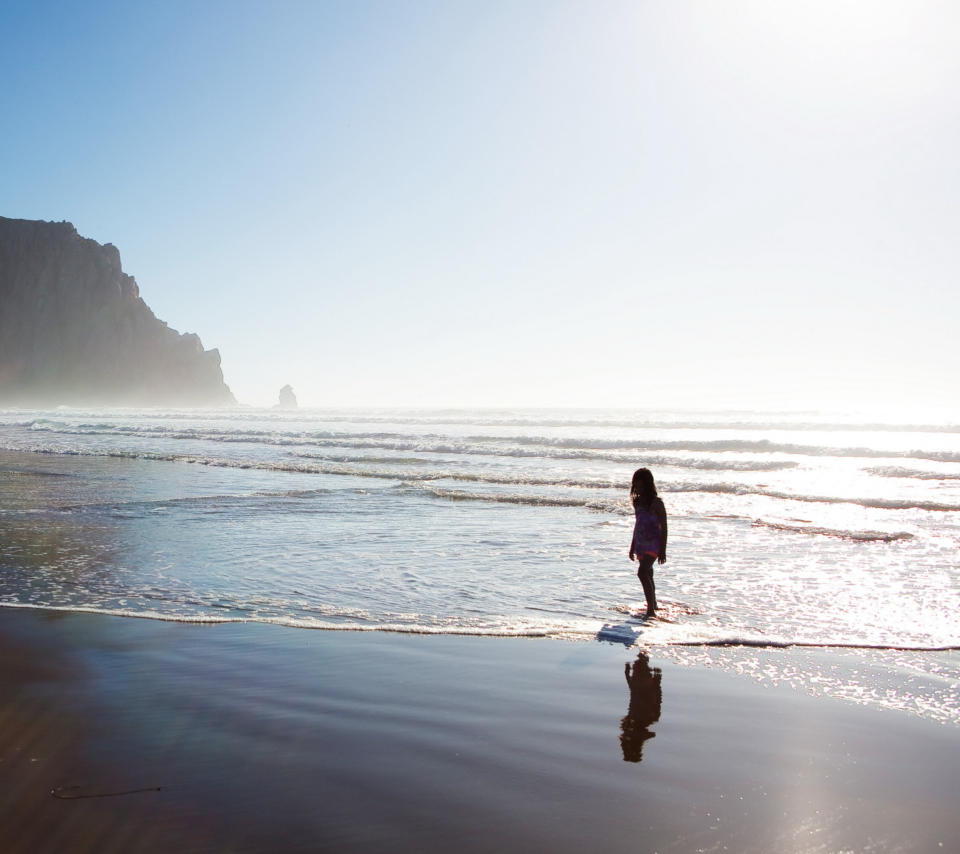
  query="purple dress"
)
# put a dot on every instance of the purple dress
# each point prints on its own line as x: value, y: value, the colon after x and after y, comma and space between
x: 647, y: 535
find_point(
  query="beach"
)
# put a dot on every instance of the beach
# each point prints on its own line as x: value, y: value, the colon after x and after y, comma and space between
x: 480, y: 428
x: 265, y: 738
x: 324, y: 631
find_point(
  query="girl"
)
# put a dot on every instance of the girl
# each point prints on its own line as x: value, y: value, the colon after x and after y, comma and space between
x: 649, y: 534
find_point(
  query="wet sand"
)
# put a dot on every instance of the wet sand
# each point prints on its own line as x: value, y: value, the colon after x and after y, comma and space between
x: 264, y: 738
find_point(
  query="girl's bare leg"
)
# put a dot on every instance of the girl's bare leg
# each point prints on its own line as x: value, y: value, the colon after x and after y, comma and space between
x: 645, y: 574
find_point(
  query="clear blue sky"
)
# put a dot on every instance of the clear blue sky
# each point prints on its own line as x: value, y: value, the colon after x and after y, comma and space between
x: 513, y: 203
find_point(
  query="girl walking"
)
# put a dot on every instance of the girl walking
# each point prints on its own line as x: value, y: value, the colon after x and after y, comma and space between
x: 649, y: 542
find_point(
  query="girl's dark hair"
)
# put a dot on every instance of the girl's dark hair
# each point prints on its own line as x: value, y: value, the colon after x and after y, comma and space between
x: 642, y: 485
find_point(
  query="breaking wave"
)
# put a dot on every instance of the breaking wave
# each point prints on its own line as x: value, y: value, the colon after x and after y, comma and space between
x: 913, y: 474
x: 859, y: 536
x: 622, y: 507
x: 774, y: 422
x: 625, y: 633
x: 473, y: 446
x: 609, y: 506
x: 405, y: 475
x: 558, y: 454
x: 536, y: 446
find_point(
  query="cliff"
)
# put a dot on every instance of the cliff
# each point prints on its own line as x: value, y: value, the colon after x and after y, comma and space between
x: 75, y: 331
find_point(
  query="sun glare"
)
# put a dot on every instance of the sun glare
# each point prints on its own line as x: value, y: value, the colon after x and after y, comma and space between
x: 826, y: 52
x: 858, y: 26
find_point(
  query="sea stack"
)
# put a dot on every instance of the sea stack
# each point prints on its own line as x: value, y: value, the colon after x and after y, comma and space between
x: 74, y: 329
x: 288, y: 400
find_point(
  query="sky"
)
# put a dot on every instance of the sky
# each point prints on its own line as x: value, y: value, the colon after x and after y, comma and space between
x: 524, y: 203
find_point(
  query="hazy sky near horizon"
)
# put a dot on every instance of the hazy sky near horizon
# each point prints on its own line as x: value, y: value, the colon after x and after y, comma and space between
x: 638, y: 204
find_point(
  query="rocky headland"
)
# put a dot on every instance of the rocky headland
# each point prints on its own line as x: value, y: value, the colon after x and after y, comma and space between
x: 74, y: 329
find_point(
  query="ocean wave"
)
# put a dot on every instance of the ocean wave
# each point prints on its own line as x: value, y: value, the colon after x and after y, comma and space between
x: 766, y: 643
x: 474, y: 446
x: 532, y: 631
x: 645, y: 634
x: 859, y: 536
x: 321, y: 465
x: 557, y: 454
x: 462, y: 418
x: 180, y: 501
x: 761, y: 446
x: 506, y: 445
x: 339, y: 469
x: 620, y: 507
x: 405, y: 475
x: 872, y: 503
x: 913, y: 474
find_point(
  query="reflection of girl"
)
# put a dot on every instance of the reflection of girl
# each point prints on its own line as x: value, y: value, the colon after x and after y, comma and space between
x: 649, y: 534
x: 646, y: 698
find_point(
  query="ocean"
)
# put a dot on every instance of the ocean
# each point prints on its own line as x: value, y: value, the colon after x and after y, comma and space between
x: 798, y: 529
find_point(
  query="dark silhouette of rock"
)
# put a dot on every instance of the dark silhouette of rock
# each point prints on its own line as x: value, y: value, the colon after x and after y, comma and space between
x: 75, y: 331
x: 288, y: 400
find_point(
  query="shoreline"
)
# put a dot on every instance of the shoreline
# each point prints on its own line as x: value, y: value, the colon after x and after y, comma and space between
x: 919, y: 680
x: 621, y: 634
x: 267, y: 738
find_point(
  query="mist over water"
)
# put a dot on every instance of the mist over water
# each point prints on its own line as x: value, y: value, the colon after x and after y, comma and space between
x: 801, y: 529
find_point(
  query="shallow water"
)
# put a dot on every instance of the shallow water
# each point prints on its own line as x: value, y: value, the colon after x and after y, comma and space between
x: 799, y: 528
